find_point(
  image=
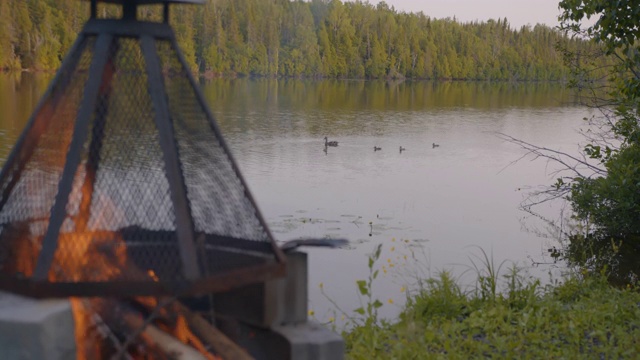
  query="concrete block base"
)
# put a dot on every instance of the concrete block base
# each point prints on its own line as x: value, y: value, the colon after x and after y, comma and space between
x: 311, y: 341
x: 35, y: 329
x: 300, y: 341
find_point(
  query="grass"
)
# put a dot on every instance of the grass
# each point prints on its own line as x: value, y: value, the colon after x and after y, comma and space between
x: 506, y: 316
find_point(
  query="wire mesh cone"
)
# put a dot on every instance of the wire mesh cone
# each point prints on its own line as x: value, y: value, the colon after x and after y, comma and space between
x: 121, y: 184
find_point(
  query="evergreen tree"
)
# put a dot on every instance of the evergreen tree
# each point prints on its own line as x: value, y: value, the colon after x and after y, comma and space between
x: 317, y: 38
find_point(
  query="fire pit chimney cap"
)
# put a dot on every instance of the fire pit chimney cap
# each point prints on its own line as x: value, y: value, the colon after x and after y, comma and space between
x: 129, y: 6
x: 149, y: 2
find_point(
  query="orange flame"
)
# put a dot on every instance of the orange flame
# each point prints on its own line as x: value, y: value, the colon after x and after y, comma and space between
x: 93, y: 256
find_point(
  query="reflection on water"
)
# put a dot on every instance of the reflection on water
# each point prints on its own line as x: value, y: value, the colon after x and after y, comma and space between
x: 428, y: 204
x: 19, y: 94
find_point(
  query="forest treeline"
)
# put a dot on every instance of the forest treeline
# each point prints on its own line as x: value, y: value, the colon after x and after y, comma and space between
x: 317, y: 38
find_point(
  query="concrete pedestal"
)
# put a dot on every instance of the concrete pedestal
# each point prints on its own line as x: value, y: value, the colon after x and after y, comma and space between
x: 270, y: 319
x: 311, y: 341
x: 35, y: 329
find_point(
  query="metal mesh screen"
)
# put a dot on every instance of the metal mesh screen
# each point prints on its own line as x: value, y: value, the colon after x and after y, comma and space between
x: 220, y: 205
x: 121, y: 183
x: 32, y: 182
x: 120, y: 222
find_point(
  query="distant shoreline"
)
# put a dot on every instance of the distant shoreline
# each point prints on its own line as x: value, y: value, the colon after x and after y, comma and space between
x: 207, y: 76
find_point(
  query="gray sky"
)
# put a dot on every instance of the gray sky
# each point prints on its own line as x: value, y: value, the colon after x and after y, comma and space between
x: 518, y: 12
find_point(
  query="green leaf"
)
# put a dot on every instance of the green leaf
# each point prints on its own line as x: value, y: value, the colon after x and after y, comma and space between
x: 362, y: 286
x: 375, y: 274
x: 359, y: 311
x: 378, y: 250
x: 377, y: 304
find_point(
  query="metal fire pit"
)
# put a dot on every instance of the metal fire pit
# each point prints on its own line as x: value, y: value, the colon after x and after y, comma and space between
x: 121, y: 184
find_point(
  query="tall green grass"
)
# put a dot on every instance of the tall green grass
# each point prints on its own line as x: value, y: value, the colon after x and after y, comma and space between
x: 507, y: 315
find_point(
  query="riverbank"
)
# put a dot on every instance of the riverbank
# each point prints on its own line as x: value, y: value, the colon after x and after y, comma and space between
x: 506, y: 316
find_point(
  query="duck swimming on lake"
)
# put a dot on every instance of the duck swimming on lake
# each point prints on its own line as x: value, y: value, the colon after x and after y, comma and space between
x: 434, y: 145
x: 375, y: 148
x: 329, y: 143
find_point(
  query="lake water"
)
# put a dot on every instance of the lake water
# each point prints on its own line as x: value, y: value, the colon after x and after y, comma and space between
x: 431, y: 208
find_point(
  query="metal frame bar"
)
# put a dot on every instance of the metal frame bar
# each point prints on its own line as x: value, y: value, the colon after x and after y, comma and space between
x: 38, y: 123
x: 81, y: 128
x: 129, y: 10
x: 165, y: 13
x: 165, y: 237
x: 113, y: 288
x: 173, y: 168
x: 216, y: 130
x: 127, y: 28
x: 94, y: 9
x: 95, y: 147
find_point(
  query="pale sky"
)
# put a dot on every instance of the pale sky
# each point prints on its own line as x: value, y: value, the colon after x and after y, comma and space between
x: 518, y: 12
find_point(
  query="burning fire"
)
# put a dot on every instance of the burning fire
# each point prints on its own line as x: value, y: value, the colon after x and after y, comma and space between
x: 102, y: 256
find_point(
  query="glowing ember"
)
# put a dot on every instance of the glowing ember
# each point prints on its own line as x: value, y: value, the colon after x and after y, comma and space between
x: 182, y: 333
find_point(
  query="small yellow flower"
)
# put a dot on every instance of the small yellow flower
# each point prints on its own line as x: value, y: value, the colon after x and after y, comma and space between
x: 393, y: 239
x: 389, y: 260
x: 390, y: 301
x: 384, y: 269
x: 403, y: 289
x: 321, y: 285
x: 405, y: 257
x: 391, y: 265
x: 393, y: 248
x: 342, y: 317
x: 311, y: 312
x: 332, y: 319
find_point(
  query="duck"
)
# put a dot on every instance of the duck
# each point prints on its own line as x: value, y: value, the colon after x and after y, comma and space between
x: 402, y: 149
x: 434, y: 145
x: 329, y: 143
x: 376, y: 148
